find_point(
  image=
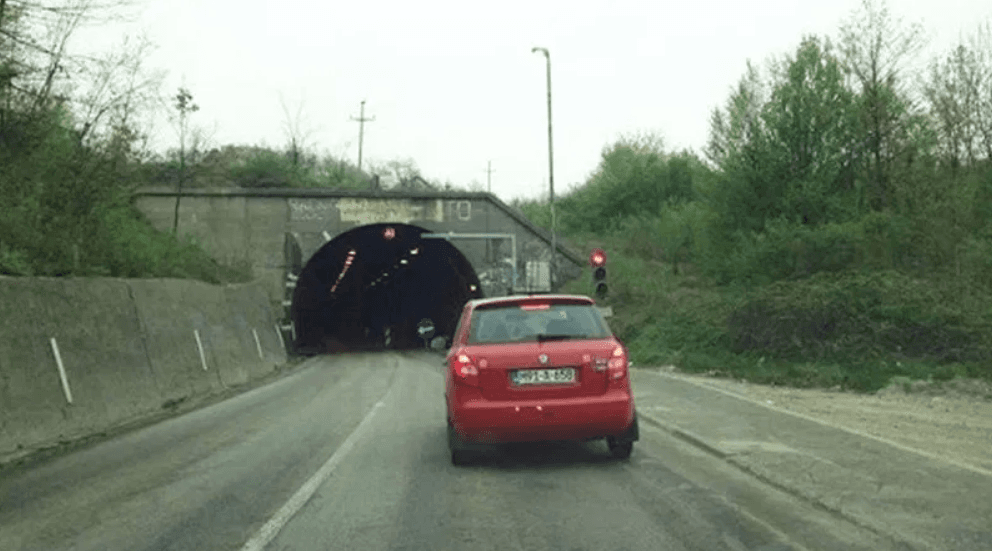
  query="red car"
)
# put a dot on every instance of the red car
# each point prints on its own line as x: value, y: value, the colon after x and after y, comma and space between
x: 535, y: 368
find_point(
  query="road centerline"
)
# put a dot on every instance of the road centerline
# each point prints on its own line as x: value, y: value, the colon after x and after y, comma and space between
x: 271, y: 529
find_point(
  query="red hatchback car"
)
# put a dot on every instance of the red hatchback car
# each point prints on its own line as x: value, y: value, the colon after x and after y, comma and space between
x: 534, y: 368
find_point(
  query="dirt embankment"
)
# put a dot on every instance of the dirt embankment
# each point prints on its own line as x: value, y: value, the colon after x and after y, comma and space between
x: 951, y: 420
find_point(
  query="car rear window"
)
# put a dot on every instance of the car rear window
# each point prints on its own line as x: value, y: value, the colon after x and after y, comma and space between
x: 516, y: 323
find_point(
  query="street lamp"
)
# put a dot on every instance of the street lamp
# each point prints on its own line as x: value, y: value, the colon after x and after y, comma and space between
x: 551, y: 166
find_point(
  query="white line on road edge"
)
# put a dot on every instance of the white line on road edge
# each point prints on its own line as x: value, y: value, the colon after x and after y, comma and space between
x: 856, y: 432
x: 282, y: 342
x: 65, y: 380
x: 258, y: 344
x: 199, y: 346
x: 271, y: 529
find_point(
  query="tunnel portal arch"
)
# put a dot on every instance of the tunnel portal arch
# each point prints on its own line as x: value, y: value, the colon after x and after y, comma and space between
x: 368, y: 288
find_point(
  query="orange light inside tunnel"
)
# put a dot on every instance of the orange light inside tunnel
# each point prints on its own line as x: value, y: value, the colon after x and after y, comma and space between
x: 347, y: 264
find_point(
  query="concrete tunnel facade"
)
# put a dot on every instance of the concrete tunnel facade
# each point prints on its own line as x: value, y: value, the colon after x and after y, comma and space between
x: 369, y: 287
x: 295, y: 241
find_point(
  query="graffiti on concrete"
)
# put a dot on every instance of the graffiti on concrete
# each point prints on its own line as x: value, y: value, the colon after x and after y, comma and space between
x: 536, y: 250
x: 497, y: 278
x: 373, y: 211
x: 301, y: 210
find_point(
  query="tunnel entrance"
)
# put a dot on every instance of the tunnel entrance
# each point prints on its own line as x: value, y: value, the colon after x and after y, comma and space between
x: 367, y: 289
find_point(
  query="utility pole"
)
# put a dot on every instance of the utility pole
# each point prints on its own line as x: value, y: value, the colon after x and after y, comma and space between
x: 551, y: 168
x: 361, y: 132
x: 489, y: 189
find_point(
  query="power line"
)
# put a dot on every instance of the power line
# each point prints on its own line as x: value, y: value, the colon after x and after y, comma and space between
x: 361, y: 132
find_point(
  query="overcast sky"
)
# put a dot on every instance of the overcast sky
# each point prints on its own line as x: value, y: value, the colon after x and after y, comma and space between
x: 454, y: 84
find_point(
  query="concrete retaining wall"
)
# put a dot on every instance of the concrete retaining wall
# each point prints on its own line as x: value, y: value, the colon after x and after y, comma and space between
x: 128, y: 349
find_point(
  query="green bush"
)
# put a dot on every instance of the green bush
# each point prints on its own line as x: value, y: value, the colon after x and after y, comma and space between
x: 14, y: 262
x: 127, y: 246
x: 852, y: 316
x: 265, y: 168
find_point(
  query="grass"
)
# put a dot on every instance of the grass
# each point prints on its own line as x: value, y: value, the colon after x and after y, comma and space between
x: 116, y: 242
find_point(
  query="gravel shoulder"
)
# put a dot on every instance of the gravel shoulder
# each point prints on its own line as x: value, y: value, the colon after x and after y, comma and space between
x: 951, y: 420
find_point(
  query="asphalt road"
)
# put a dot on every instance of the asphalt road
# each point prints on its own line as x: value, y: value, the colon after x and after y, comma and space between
x: 349, y: 452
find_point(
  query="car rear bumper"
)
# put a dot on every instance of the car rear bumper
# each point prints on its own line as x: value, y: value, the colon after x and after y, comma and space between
x: 491, y: 422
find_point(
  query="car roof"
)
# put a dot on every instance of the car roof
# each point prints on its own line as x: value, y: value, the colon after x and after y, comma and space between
x: 520, y: 299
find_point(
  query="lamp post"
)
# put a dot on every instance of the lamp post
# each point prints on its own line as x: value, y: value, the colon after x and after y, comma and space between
x: 551, y: 168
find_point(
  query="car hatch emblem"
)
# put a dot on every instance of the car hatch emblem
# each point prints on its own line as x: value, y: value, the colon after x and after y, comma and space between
x: 543, y: 358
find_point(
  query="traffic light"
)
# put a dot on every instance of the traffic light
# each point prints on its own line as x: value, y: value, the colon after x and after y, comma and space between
x: 597, y: 260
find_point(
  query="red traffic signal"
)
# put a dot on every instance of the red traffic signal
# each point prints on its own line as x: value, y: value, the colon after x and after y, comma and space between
x: 597, y: 258
x: 389, y: 233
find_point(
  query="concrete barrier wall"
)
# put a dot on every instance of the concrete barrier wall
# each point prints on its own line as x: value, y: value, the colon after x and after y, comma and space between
x: 128, y: 347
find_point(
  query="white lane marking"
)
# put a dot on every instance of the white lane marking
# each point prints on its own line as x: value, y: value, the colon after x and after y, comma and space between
x: 856, y: 432
x: 271, y: 529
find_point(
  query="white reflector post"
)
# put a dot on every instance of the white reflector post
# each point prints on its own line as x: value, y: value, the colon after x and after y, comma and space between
x: 199, y: 346
x: 258, y: 344
x: 62, y: 376
x: 282, y: 342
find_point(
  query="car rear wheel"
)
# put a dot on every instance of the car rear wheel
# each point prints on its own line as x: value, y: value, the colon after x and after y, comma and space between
x: 620, y: 449
x: 459, y: 456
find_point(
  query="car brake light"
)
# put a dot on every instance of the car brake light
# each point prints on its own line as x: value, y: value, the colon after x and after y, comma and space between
x: 618, y: 364
x: 466, y: 370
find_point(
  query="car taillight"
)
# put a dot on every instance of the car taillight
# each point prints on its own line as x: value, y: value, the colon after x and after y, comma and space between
x: 465, y: 370
x: 617, y: 364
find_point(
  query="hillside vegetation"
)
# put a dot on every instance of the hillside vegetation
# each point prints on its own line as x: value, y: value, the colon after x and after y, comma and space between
x: 836, y: 230
x: 74, y: 146
x: 72, y: 149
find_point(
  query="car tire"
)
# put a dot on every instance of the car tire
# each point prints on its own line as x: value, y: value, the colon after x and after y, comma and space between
x: 459, y: 457
x: 620, y: 449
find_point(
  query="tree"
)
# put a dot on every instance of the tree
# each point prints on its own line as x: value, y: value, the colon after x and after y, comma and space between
x: 184, y: 107
x: 958, y: 89
x: 875, y: 47
x: 811, y: 133
x: 400, y: 174
x: 118, y: 90
x: 750, y: 189
x: 297, y: 134
x: 738, y: 126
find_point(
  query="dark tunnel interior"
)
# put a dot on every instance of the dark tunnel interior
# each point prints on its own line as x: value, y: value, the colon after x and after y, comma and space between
x: 368, y: 288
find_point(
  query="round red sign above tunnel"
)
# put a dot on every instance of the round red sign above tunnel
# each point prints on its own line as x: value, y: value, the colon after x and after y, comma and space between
x: 597, y: 258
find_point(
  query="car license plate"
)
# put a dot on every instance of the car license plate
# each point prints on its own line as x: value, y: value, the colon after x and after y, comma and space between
x: 562, y: 375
